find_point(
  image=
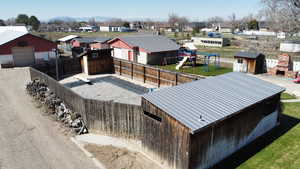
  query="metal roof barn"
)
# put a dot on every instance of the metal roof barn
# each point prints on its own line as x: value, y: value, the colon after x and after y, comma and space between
x: 201, y: 103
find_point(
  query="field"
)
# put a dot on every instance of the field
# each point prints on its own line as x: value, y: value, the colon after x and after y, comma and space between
x: 225, y: 52
x: 56, y: 35
x: 199, y: 70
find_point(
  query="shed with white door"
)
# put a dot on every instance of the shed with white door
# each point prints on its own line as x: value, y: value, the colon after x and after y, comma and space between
x: 249, y: 62
x: 24, y: 49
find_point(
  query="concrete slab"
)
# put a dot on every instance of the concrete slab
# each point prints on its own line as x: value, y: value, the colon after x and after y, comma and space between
x: 108, y: 87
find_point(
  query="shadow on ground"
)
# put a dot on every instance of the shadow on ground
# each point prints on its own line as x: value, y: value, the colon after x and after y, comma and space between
x: 236, y: 159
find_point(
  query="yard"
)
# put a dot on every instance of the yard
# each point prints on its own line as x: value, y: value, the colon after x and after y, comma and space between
x: 56, y: 35
x: 224, y: 52
x: 199, y: 70
x: 278, y: 149
x: 285, y: 151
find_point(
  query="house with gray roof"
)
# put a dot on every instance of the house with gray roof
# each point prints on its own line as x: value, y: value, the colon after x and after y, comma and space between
x: 198, y: 124
x: 145, y: 49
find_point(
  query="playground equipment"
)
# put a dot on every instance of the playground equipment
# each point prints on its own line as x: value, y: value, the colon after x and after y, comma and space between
x: 207, y: 59
x: 181, y: 63
x: 186, y: 55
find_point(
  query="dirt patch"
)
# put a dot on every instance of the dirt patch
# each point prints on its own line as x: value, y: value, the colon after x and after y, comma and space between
x: 120, y: 158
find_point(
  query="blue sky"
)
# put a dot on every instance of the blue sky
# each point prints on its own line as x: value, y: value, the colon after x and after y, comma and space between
x: 194, y: 9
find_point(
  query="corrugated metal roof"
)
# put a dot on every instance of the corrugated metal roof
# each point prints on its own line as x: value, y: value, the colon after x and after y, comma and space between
x: 151, y: 43
x: 67, y: 38
x: 13, y: 28
x: 213, y: 98
x: 92, y: 39
x: 250, y: 55
x: 8, y: 36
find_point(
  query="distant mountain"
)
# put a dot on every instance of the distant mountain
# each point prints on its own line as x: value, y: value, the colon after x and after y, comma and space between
x: 97, y: 19
x: 82, y: 19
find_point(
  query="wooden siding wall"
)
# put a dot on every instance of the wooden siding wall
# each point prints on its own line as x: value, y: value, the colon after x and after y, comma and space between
x: 110, y: 118
x: 215, y: 143
x: 166, y: 141
x: 153, y: 75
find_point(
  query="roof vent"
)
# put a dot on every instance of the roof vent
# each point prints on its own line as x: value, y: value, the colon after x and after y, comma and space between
x: 201, y: 118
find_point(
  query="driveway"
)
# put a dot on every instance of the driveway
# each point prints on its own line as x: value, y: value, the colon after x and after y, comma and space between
x: 29, y: 139
x: 287, y: 83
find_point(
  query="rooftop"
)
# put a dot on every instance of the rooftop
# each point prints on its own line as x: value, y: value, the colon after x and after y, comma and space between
x: 151, y: 43
x: 212, y: 99
x: 10, y: 35
x: 13, y: 28
x: 92, y: 39
x: 249, y: 55
x: 67, y: 38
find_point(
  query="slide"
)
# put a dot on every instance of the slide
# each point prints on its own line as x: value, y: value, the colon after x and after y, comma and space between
x: 181, y: 63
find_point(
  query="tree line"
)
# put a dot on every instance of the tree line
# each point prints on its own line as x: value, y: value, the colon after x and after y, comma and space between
x: 32, y: 21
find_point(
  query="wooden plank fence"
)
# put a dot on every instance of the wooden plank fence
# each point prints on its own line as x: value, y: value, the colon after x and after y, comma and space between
x: 153, y: 75
x: 107, y: 117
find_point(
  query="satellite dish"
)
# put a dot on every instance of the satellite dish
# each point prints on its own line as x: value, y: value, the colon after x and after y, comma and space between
x: 297, y: 3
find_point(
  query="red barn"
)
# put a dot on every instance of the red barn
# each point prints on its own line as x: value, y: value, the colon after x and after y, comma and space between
x: 145, y: 49
x: 24, y: 49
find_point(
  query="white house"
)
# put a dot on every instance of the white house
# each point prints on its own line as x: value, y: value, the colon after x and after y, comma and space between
x: 145, y: 49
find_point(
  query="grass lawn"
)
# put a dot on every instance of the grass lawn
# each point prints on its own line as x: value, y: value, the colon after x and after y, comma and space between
x: 57, y: 35
x: 225, y: 52
x: 199, y: 70
x: 286, y: 96
x: 283, y: 152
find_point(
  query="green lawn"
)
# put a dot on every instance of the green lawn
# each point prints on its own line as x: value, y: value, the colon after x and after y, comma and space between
x: 286, y: 96
x: 56, y: 35
x: 225, y: 52
x: 284, y: 152
x: 199, y: 70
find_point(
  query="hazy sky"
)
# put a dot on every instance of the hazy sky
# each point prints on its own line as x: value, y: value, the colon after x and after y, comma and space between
x: 194, y: 9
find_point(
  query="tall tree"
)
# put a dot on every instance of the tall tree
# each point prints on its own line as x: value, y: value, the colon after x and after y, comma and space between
x: 232, y: 20
x: 34, y: 22
x: 282, y: 15
x: 178, y: 22
x: 22, y: 18
x: 2, y: 23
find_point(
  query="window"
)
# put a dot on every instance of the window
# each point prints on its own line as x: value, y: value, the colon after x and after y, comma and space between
x: 94, y: 55
x: 240, y: 61
x: 152, y: 116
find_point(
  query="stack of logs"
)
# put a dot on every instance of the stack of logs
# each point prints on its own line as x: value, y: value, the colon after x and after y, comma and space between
x: 55, y: 106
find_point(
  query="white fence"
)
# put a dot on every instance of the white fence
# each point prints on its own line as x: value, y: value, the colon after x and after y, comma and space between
x: 273, y: 63
x: 296, y: 66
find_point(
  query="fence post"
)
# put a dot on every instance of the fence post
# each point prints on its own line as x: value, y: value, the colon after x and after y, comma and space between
x: 131, y: 70
x: 158, y: 78
x: 120, y: 67
x: 144, y: 74
x: 176, y: 79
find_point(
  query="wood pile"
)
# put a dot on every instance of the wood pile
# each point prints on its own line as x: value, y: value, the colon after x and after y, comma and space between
x: 55, y: 106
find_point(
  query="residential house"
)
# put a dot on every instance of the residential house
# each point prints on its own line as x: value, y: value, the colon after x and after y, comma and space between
x: 145, y: 49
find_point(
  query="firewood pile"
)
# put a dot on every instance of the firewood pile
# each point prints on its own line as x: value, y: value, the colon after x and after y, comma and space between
x: 55, y: 106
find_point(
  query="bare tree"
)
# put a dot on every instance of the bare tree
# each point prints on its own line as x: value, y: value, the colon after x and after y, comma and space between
x: 177, y: 21
x: 232, y: 20
x: 282, y: 15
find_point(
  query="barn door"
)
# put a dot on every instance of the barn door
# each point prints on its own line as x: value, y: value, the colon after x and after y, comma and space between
x: 23, y: 56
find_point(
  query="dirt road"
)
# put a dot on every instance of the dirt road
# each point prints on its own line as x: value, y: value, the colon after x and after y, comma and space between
x: 28, y: 139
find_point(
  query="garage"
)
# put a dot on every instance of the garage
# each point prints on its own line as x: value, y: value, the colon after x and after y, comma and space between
x: 19, y: 49
x: 23, y: 56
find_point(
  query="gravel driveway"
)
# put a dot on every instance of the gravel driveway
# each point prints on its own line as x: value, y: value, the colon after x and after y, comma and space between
x: 28, y: 139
